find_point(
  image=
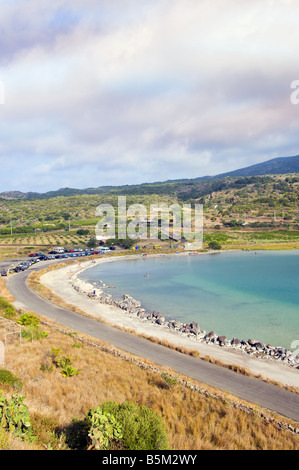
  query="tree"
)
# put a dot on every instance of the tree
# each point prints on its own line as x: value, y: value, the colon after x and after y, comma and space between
x: 82, y: 231
x: 127, y: 243
x: 92, y: 242
x: 213, y: 245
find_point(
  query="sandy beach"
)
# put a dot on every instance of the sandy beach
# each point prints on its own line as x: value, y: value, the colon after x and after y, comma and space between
x: 62, y: 282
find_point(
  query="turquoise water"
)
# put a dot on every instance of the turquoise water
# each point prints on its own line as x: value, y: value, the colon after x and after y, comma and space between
x: 243, y: 295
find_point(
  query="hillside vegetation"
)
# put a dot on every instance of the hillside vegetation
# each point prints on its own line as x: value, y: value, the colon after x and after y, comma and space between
x: 239, y: 212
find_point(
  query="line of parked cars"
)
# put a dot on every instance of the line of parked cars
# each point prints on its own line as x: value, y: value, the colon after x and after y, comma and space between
x: 62, y: 253
x: 20, y: 267
x: 54, y: 254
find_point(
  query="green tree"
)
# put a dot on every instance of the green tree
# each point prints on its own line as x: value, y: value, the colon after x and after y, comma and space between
x: 127, y: 243
x: 92, y: 242
x: 213, y: 245
x: 82, y: 231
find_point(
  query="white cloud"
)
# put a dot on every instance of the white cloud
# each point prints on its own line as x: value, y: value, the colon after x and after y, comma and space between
x: 161, y: 90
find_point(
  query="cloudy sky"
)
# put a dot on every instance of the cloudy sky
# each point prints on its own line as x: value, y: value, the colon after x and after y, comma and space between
x: 131, y: 91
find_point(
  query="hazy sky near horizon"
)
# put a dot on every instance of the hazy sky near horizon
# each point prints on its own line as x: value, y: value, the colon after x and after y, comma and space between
x: 122, y: 91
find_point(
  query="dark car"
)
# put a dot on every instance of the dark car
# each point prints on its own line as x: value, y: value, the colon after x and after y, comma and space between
x: 3, y: 273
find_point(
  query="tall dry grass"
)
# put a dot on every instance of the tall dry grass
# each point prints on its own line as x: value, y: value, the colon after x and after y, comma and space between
x: 193, y: 421
x: 4, y: 292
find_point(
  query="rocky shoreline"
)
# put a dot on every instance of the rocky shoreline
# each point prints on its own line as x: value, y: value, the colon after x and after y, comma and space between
x: 133, y: 308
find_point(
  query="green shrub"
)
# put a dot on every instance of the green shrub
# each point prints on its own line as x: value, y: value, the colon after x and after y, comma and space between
x: 7, y: 378
x: 7, y: 309
x: 14, y: 416
x: 69, y: 371
x: 33, y: 332
x: 169, y: 380
x: 142, y: 428
x: 28, y: 319
x: 31, y: 323
x: 82, y: 231
x: 63, y: 362
x: 103, y: 430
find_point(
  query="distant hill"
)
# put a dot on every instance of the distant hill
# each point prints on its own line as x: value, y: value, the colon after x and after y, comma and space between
x: 276, y: 166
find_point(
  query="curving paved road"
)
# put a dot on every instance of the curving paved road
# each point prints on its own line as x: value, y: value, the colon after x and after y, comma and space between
x: 252, y: 390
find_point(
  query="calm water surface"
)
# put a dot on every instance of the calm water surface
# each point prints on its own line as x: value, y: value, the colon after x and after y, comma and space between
x: 243, y: 295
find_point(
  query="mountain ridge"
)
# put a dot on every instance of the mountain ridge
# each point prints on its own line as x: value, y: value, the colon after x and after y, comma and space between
x: 275, y: 166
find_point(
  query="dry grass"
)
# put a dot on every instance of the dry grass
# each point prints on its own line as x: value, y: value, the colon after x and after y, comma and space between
x: 4, y: 292
x: 193, y: 421
x: 259, y: 246
x: 43, y: 291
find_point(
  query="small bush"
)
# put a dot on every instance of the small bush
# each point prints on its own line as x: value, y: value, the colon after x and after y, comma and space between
x: 169, y: 380
x: 69, y: 371
x: 31, y: 328
x: 213, y: 245
x: 28, y: 319
x: 14, y: 416
x: 7, y: 309
x: 7, y: 378
x: 142, y: 428
x: 63, y: 362
x: 103, y: 430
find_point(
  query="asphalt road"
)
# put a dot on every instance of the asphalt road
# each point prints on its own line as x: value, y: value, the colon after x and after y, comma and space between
x: 252, y: 390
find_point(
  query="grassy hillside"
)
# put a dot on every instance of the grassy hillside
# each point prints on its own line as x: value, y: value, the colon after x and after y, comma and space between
x: 234, y: 210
